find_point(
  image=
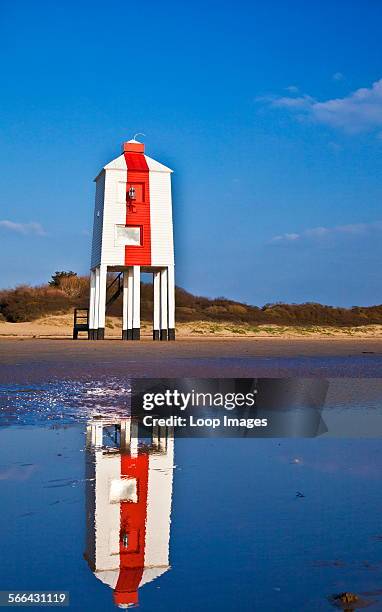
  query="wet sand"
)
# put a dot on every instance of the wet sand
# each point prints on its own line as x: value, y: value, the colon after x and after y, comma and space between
x: 31, y: 360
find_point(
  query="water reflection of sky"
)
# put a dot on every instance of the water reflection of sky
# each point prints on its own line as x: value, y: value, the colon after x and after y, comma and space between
x: 240, y: 537
x: 62, y: 402
x: 351, y: 407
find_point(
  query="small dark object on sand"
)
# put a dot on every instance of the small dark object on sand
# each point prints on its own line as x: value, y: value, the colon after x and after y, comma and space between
x: 349, y: 601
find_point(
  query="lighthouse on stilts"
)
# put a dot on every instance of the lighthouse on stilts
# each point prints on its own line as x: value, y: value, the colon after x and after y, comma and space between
x: 133, y: 233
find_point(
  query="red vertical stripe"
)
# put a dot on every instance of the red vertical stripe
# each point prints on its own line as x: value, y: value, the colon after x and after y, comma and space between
x: 138, y: 211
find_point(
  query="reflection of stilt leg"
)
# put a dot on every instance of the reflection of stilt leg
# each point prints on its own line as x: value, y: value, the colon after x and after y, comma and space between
x: 125, y: 433
x: 94, y: 435
x: 162, y: 438
x: 155, y: 436
x: 129, y: 436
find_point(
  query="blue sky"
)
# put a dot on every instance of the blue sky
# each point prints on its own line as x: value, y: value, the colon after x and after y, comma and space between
x: 270, y: 114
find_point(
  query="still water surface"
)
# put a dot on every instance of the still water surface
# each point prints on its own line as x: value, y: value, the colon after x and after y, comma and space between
x: 195, y: 524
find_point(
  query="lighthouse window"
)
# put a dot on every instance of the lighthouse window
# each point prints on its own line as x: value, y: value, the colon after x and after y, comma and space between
x: 135, y: 191
x: 128, y: 235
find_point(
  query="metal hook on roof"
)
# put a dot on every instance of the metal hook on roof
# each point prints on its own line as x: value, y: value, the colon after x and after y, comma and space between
x: 138, y: 134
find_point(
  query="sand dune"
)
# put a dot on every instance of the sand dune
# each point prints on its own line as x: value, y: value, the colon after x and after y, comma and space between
x: 60, y: 326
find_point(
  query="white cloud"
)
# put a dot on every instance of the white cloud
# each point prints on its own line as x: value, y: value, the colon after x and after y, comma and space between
x: 286, y: 237
x: 292, y: 88
x: 360, y: 111
x: 23, y: 228
x: 338, y: 76
x: 335, y: 146
x: 317, y: 233
x: 287, y: 102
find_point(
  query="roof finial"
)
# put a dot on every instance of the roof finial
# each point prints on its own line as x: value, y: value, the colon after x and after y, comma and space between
x: 138, y: 134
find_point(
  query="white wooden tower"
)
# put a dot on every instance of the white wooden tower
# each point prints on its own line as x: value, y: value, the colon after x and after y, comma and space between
x: 133, y: 233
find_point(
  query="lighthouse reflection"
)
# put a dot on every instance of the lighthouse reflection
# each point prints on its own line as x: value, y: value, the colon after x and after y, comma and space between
x: 128, y: 505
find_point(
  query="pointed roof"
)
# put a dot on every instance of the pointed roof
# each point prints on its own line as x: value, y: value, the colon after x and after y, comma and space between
x: 119, y: 163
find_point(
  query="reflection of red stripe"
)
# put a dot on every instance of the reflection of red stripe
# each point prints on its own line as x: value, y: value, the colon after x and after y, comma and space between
x: 133, y: 524
x: 138, y: 212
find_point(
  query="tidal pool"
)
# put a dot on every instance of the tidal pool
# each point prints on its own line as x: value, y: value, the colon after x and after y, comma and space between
x: 232, y: 523
x: 191, y: 523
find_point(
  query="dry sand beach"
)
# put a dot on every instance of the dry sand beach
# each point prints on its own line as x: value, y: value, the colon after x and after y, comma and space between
x: 61, y: 326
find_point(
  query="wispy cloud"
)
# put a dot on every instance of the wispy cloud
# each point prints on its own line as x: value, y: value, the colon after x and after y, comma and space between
x: 322, y: 232
x: 360, y: 111
x: 334, y: 146
x: 338, y: 76
x: 23, y: 228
